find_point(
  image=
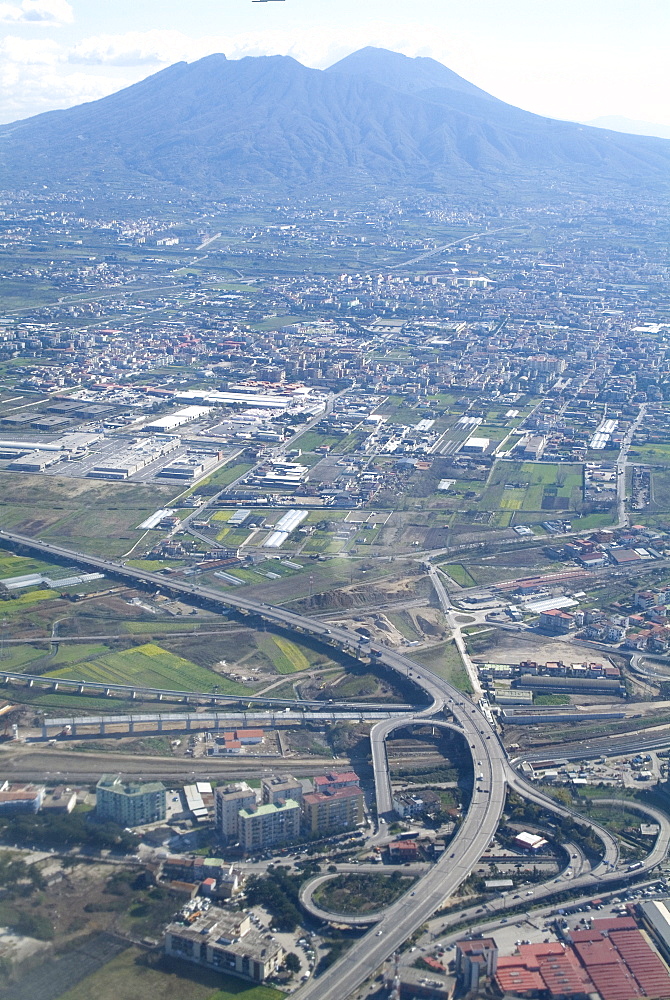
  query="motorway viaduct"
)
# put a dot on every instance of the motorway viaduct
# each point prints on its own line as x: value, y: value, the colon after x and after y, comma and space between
x: 479, y: 823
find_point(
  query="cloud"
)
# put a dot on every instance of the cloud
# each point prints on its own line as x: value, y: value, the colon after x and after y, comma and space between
x: 138, y: 48
x: 31, y: 90
x: 40, y: 12
x: 579, y: 80
x: 30, y: 51
x: 318, y: 49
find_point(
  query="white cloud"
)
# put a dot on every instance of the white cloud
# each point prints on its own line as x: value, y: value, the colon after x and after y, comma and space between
x: 579, y: 80
x: 138, y: 48
x: 319, y: 49
x: 31, y: 51
x: 31, y: 90
x: 40, y: 12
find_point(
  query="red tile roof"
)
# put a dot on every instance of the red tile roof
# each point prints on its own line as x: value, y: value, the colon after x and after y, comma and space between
x: 513, y: 976
x: 649, y: 971
x: 614, y: 982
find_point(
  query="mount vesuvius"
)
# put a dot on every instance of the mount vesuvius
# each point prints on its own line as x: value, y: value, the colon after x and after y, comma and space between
x: 376, y: 118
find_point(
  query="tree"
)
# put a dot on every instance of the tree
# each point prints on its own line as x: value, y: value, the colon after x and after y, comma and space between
x: 292, y: 962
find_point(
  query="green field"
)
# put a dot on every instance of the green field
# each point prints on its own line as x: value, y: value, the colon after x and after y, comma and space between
x: 285, y: 656
x: 656, y: 453
x: 459, y: 574
x: 445, y: 661
x: 149, y: 666
x: 30, y: 597
x: 533, y: 486
x: 11, y: 565
x: 225, y: 475
x: 130, y: 976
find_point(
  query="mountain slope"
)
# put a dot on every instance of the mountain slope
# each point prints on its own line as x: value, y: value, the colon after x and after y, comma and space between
x: 216, y: 126
x: 629, y: 125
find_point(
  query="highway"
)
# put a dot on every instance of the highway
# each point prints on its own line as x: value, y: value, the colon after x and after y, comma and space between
x: 145, y: 693
x: 489, y: 760
x: 605, y: 746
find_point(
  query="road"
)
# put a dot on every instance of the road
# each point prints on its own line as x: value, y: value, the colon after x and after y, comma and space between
x: 623, y: 518
x: 450, y: 614
x: 211, y: 697
x: 606, y: 746
x: 489, y: 760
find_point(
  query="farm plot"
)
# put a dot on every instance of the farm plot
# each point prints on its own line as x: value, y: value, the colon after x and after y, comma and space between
x: 531, y: 486
x: 149, y: 666
x: 285, y: 656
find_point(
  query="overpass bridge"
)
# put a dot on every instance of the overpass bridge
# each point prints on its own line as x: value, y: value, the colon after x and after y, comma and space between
x: 137, y: 693
x: 167, y: 722
x: 489, y: 758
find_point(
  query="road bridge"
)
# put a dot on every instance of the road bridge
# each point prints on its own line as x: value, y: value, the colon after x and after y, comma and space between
x: 137, y: 693
x: 165, y: 722
x: 479, y: 823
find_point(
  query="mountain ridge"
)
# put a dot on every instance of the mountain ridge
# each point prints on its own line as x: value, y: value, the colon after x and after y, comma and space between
x: 375, y: 118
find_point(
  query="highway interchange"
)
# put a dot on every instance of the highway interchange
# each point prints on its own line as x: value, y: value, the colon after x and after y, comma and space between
x: 489, y: 758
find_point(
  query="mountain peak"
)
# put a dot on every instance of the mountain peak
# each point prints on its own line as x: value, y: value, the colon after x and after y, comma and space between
x: 376, y: 118
x: 409, y: 75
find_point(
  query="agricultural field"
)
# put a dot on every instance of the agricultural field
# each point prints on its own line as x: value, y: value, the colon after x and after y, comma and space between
x: 149, y: 666
x: 33, y: 659
x: 660, y: 493
x: 530, y: 486
x: 459, y: 574
x: 11, y: 565
x: 286, y: 657
x: 656, y: 453
x: 311, y: 440
x: 89, y: 515
x: 224, y: 476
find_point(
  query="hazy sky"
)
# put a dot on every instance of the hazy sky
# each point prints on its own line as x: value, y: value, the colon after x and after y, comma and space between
x: 575, y: 59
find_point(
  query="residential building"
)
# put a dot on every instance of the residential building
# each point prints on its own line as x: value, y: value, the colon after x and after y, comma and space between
x: 20, y: 798
x: 228, y: 800
x: 268, y: 825
x: 130, y: 803
x: 556, y: 621
x: 332, y: 780
x: 279, y: 788
x: 334, y: 809
x: 475, y: 961
x: 223, y: 940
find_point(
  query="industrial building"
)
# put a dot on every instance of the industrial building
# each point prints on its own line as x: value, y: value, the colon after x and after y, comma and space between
x: 475, y: 446
x: 136, y: 456
x: 163, y: 425
x: 35, y: 461
x: 192, y: 466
